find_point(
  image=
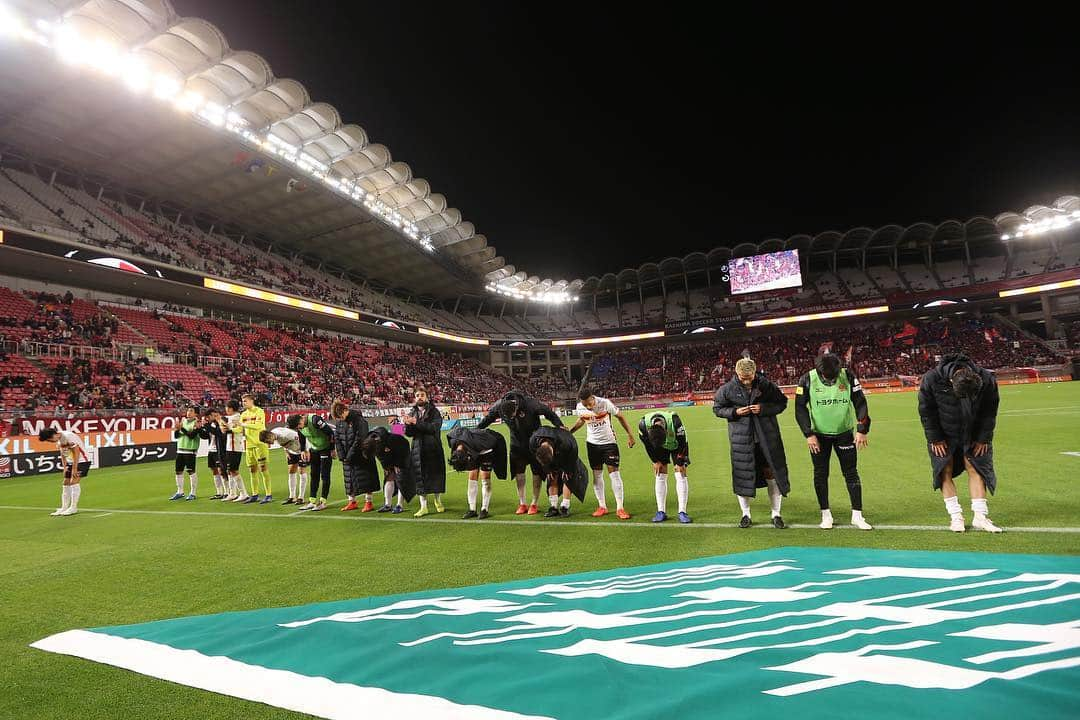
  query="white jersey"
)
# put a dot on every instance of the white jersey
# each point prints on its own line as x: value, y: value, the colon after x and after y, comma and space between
x: 72, y: 449
x: 599, y: 430
x: 288, y: 439
x: 235, y: 439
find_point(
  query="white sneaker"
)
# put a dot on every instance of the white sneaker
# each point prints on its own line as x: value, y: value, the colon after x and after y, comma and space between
x: 240, y: 498
x: 58, y: 511
x: 981, y: 522
x: 229, y: 498
x: 72, y: 511
x: 320, y: 506
x: 956, y: 523
x: 858, y: 521
x: 826, y: 520
x: 308, y: 506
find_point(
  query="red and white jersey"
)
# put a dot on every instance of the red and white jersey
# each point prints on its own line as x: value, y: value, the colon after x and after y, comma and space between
x: 234, y: 435
x: 599, y: 430
x: 72, y: 448
x: 286, y: 438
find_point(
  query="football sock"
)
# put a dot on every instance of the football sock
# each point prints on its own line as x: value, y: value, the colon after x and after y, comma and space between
x: 617, y: 488
x: 598, y: 487
x: 682, y: 489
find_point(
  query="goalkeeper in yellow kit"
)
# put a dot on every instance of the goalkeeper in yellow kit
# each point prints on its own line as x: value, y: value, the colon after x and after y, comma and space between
x: 253, y: 422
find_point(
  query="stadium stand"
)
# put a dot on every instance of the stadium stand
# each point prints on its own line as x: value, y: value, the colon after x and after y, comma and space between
x: 28, y: 199
x: 877, y: 351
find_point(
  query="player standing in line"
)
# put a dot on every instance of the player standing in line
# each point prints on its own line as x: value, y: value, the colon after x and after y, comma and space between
x: 602, y: 447
x: 187, y: 435
x: 664, y: 437
x: 750, y: 403
x: 556, y: 452
x: 295, y: 445
x: 253, y: 421
x: 359, y: 470
x: 831, y: 411
x: 423, y: 423
x: 958, y: 407
x: 212, y: 431
x: 393, y: 453
x: 76, y: 465
x: 319, y: 456
x: 237, y: 444
x: 521, y: 415
x: 477, y: 452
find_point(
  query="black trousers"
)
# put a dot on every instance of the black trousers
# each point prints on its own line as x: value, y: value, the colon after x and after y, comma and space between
x: 321, y: 463
x: 844, y: 445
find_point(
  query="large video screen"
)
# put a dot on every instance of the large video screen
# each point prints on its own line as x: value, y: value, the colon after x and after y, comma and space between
x: 758, y: 273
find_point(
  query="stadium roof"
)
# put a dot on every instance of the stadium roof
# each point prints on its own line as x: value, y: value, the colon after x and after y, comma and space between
x: 84, y: 122
x: 856, y: 243
x: 90, y: 125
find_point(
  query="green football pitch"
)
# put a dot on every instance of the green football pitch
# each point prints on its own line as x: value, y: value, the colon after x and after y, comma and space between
x: 131, y: 556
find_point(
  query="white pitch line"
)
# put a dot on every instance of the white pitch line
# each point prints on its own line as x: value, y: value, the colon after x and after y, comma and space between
x: 534, y: 523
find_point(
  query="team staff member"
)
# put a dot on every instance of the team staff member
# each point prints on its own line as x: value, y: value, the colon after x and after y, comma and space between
x: 750, y: 403
x: 602, y: 447
x: 958, y: 407
x: 664, y: 437
x: 521, y: 414
x: 187, y: 434
x: 253, y: 422
x: 319, y: 455
x: 831, y: 411
x: 75, y: 462
x: 423, y: 423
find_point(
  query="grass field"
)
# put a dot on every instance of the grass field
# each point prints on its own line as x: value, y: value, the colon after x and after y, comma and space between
x: 131, y: 556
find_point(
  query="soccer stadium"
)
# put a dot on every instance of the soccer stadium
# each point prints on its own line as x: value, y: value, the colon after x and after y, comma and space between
x: 284, y: 435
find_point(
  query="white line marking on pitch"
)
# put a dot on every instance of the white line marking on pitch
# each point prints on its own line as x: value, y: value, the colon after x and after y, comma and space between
x: 532, y: 523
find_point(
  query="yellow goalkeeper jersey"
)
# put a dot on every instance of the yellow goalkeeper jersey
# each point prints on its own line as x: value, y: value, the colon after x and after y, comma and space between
x: 253, y: 422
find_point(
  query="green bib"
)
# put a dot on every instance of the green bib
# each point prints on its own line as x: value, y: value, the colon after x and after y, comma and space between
x: 185, y: 443
x: 670, y: 442
x: 316, y: 438
x: 831, y: 411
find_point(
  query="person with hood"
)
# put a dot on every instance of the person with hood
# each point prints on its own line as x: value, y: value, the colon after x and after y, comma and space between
x: 521, y: 414
x: 958, y: 406
x: 664, y: 437
x: 750, y: 403
x: 556, y: 453
x: 360, y: 474
x: 831, y: 411
x: 477, y: 452
x: 393, y: 453
x: 423, y: 423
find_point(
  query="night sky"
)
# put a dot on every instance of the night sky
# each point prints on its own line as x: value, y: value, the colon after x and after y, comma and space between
x: 581, y: 141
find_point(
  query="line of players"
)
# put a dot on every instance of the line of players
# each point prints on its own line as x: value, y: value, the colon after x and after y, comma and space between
x: 958, y: 404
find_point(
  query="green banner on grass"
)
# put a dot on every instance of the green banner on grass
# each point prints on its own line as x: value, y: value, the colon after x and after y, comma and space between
x: 791, y: 632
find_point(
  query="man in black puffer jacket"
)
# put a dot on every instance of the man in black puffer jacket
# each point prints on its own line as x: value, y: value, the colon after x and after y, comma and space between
x: 359, y: 470
x: 958, y: 406
x: 521, y: 414
x: 750, y: 403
